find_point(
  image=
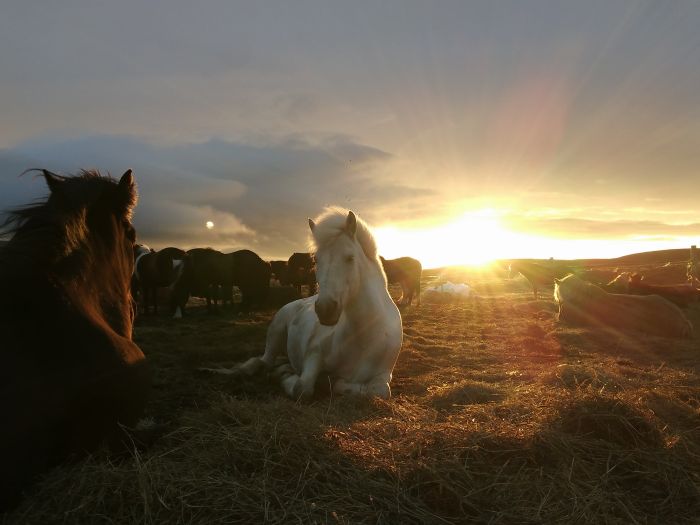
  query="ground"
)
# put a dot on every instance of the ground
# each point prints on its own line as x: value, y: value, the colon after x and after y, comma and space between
x: 499, y: 414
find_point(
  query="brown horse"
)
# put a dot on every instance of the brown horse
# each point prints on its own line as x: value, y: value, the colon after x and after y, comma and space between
x: 537, y: 275
x: 407, y: 272
x: 679, y: 294
x: 71, y: 376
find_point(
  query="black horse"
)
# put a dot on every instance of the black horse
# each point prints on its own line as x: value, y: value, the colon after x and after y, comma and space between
x: 156, y: 270
x: 207, y: 274
x: 252, y: 276
x: 71, y: 377
x: 301, y: 270
x: 279, y: 271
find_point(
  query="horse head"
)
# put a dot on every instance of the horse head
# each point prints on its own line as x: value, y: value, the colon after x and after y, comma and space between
x: 96, y: 239
x: 339, y: 257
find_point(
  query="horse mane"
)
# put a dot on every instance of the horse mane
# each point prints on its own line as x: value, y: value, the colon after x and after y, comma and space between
x: 330, y: 224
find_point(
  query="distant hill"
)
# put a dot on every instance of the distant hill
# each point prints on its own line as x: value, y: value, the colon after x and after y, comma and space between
x: 677, y: 255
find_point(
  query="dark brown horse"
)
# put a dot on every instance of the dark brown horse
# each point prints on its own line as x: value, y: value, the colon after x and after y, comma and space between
x: 71, y: 376
x: 301, y: 270
x: 407, y: 272
x: 279, y: 272
x: 252, y: 276
x: 154, y: 270
x: 207, y: 274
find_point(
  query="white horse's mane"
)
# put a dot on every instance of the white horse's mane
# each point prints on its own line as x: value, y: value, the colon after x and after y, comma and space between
x: 331, y: 223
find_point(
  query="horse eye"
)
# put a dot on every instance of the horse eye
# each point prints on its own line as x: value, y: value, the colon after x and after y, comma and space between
x: 350, y: 258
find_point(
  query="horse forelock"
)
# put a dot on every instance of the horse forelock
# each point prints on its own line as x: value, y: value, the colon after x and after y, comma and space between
x: 331, y: 224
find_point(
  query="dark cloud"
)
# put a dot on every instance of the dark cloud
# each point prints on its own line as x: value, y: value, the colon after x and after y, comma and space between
x: 257, y: 196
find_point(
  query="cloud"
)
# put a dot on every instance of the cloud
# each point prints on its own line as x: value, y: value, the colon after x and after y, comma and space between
x: 576, y: 228
x: 257, y: 194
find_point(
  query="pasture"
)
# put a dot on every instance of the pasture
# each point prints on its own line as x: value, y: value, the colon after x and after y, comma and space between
x: 499, y: 414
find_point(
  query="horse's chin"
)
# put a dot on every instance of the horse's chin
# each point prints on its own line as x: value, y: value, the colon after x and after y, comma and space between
x: 327, y: 321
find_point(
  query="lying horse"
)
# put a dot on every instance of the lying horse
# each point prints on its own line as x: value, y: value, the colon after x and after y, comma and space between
x: 301, y: 271
x: 537, y: 275
x: 71, y: 376
x: 581, y: 302
x: 351, y: 331
x: 679, y: 294
x: 407, y: 272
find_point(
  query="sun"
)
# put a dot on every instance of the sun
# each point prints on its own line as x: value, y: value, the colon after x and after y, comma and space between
x: 209, y: 225
x: 472, y: 239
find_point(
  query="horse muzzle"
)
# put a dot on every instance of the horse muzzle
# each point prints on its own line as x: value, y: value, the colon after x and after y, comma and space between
x: 327, y: 311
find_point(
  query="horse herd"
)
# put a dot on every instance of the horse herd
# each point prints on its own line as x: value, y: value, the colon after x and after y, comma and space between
x: 211, y: 275
x: 72, y: 377
x: 619, y: 301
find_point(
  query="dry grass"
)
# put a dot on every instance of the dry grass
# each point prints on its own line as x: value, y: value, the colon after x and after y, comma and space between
x: 499, y: 415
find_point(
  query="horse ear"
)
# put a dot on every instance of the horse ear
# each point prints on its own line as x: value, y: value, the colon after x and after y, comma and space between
x: 312, y: 225
x: 127, y: 190
x: 53, y: 181
x: 351, y: 224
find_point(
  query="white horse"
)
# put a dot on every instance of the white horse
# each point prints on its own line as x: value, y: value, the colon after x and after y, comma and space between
x: 351, y: 330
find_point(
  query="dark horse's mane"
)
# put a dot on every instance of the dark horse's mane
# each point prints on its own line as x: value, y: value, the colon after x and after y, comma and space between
x: 70, y: 375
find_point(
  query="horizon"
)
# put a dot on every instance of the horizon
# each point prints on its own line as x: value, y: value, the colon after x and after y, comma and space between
x: 461, y: 133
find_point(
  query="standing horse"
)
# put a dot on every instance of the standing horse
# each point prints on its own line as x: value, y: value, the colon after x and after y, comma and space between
x: 71, y: 375
x: 537, y: 275
x: 279, y: 273
x: 154, y: 270
x: 300, y: 271
x: 351, y: 331
x: 252, y: 276
x: 207, y: 275
x: 407, y: 272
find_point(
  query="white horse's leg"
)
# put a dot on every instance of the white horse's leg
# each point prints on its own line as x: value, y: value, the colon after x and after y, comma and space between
x: 275, y: 344
x: 300, y: 386
x: 377, y: 386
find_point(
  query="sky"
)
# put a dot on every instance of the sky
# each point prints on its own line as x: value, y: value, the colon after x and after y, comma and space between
x: 460, y: 131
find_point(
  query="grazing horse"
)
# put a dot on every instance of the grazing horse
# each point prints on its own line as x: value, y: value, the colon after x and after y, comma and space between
x: 301, y: 271
x: 71, y: 376
x: 153, y: 270
x: 581, y: 302
x: 207, y: 274
x: 537, y: 275
x: 351, y: 331
x: 407, y: 272
x: 252, y: 276
x: 679, y: 294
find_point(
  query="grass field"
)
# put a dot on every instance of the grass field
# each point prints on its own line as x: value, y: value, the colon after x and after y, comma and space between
x: 499, y: 414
